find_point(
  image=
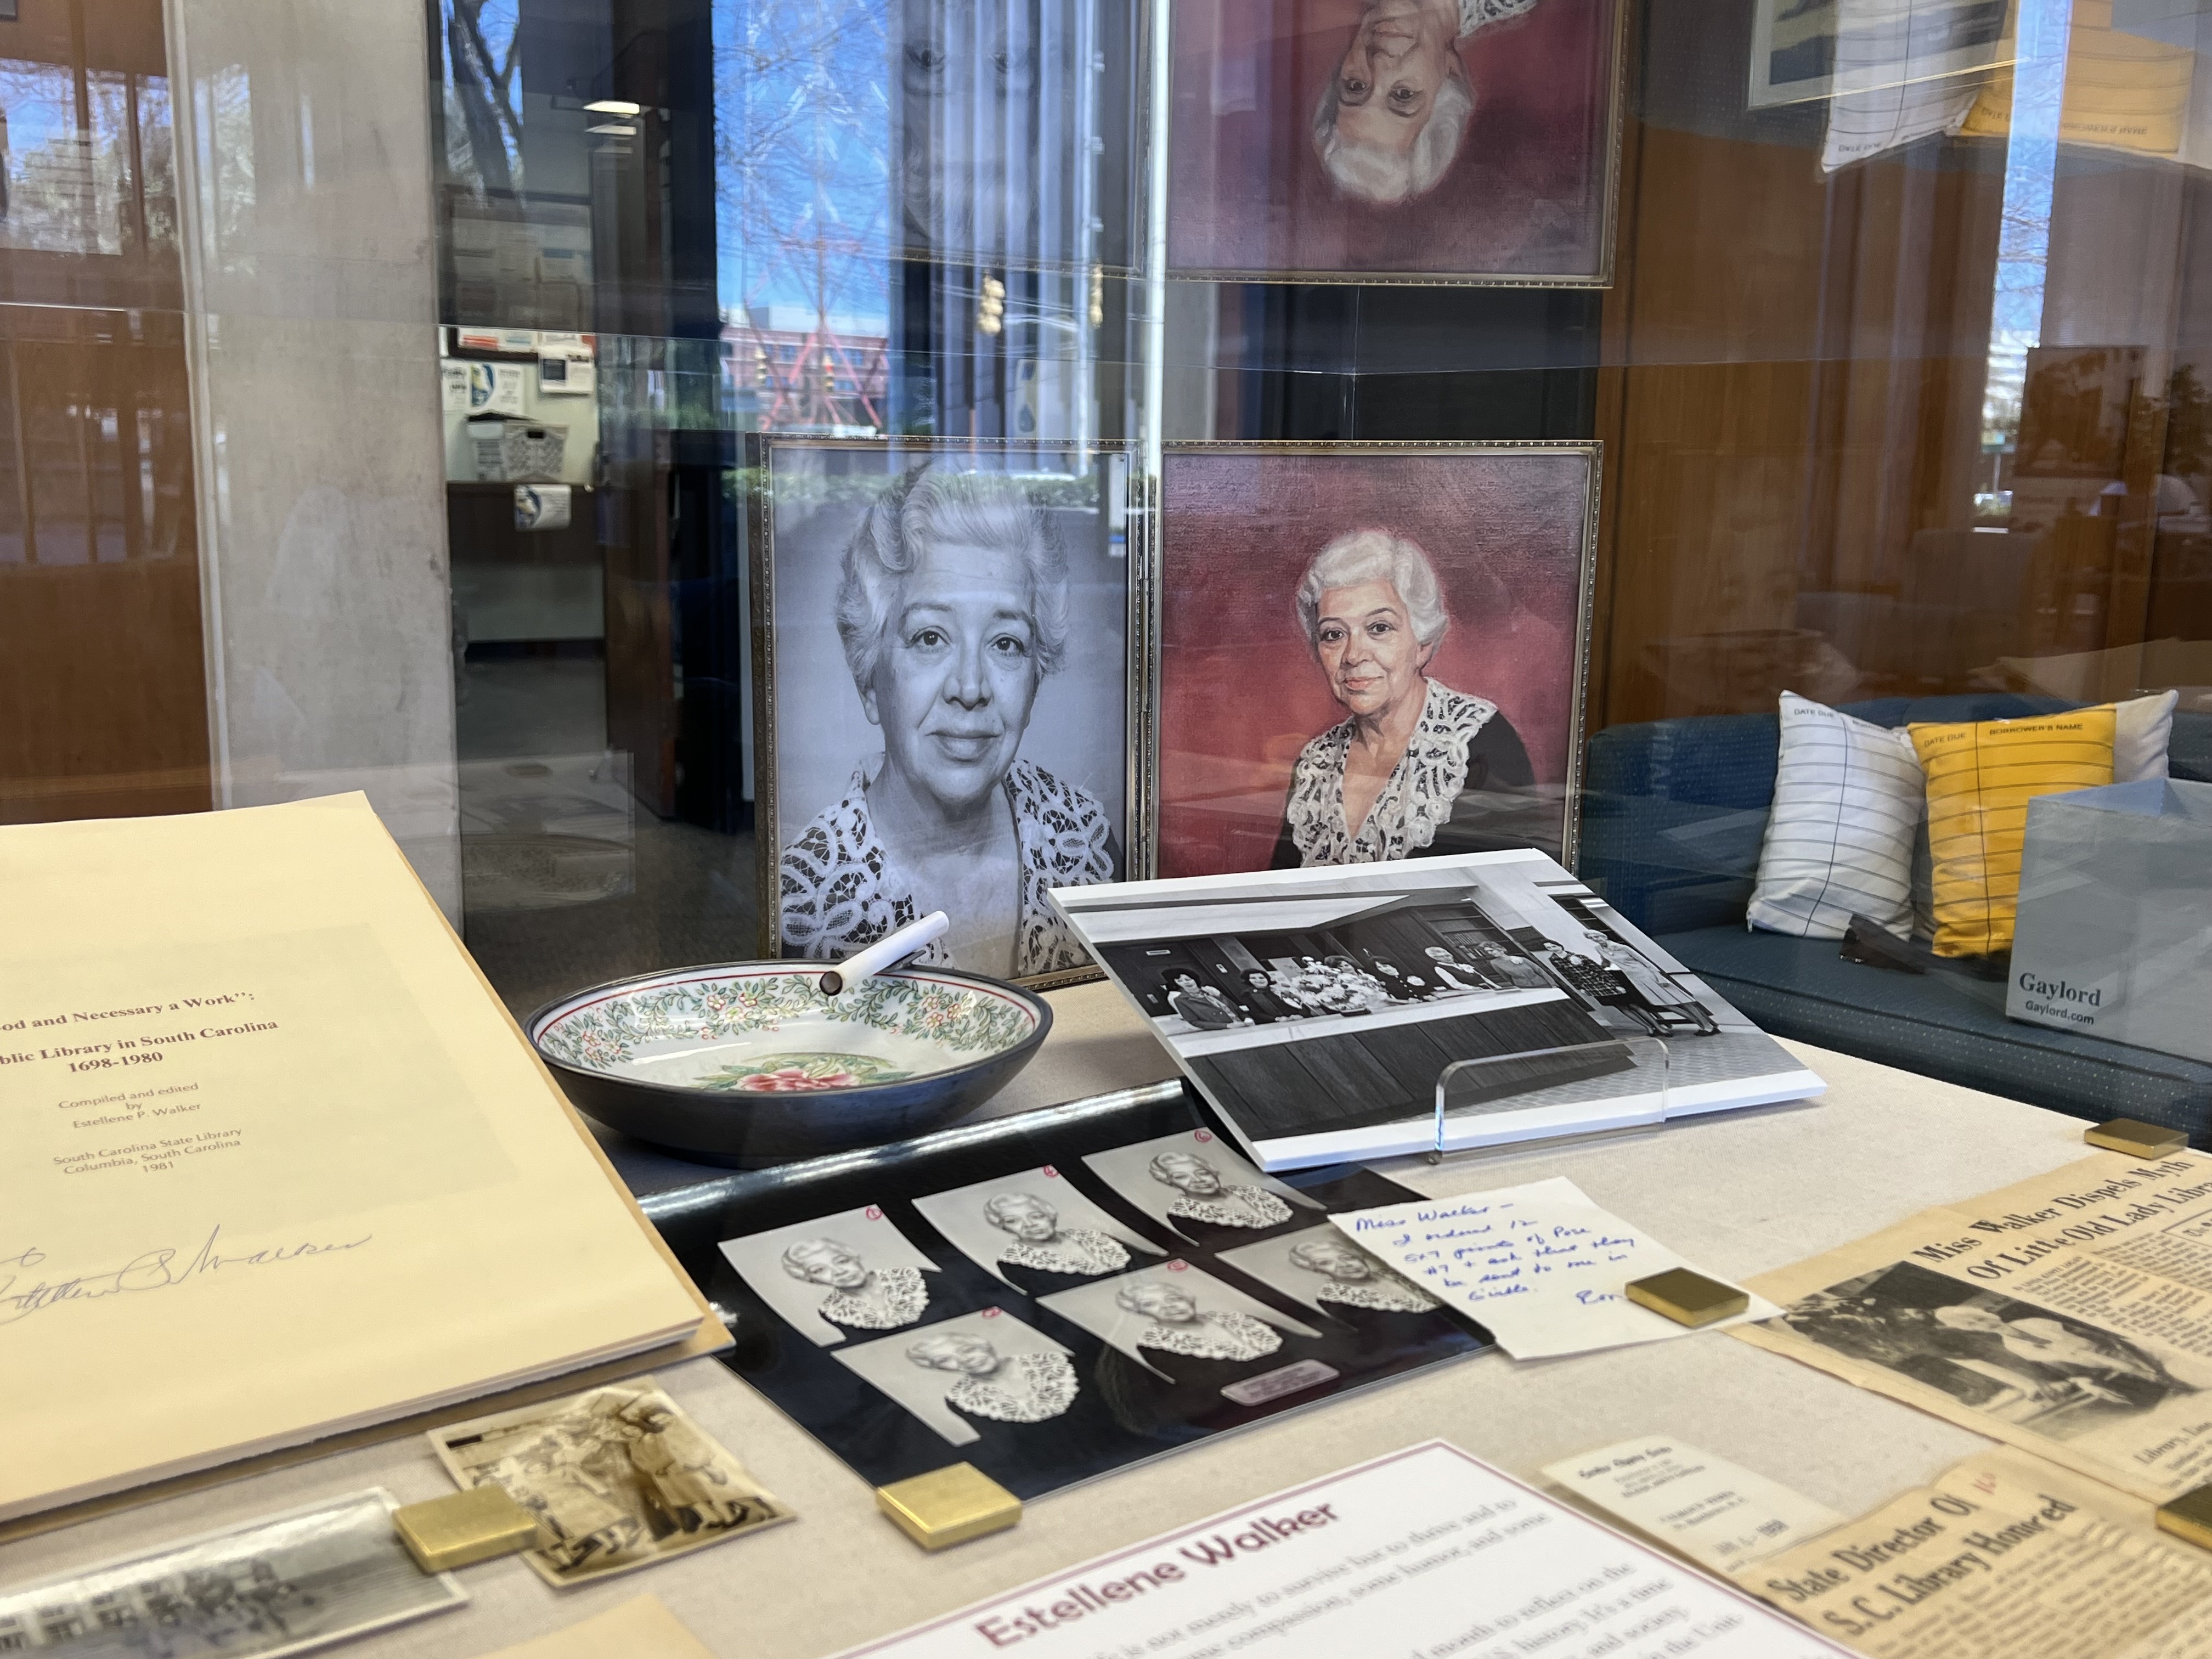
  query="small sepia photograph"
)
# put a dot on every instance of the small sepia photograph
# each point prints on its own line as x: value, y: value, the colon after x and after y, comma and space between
x: 1184, y: 1325
x: 1372, y: 140
x: 850, y: 1273
x: 1033, y: 1231
x: 941, y: 691
x: 280, y: 1585
x: 1195, y: 1184
x: 1370, y: 652
x: 2012, y: 1360
x: 1322, y: 1268
x: 984, y: 1376
x: 618, y: 1477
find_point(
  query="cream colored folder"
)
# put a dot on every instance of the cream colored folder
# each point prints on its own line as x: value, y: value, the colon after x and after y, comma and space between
x: 275, y: 1163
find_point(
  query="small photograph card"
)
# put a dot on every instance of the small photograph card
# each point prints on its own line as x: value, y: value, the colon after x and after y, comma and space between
x: 279, y: 1585
x: 1540, y: 1265
x: 1719, y: 1513
x: 618, y: 1477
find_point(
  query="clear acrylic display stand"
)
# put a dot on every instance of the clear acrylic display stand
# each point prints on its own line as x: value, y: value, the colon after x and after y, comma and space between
x: 1644, y: 1108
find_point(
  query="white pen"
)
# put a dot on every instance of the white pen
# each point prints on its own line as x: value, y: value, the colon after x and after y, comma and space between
x: 885, y: 953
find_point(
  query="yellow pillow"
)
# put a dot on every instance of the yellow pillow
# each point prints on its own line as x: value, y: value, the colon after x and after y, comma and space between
x: 1980, y: 779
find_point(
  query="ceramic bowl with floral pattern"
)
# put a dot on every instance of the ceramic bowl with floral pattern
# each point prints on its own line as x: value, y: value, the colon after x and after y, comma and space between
x: 749, y: 1064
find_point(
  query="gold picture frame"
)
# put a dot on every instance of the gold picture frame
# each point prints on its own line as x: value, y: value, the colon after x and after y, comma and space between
x: 1162, y: 572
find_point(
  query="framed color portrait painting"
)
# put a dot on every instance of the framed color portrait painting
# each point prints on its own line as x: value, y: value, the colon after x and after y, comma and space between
x: 941, y: 688
x: 1418, y: 140
x: 1369, y: 651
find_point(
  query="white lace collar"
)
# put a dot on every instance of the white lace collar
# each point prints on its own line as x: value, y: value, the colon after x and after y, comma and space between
x: 842, y: 888
x: 1383, y: 1295
x: 1232, y: 1206
x: 1048, y: 1388
x: 1417, y: 798
x: 900, y: 1296
x: 1214, y: 1336
x: 1076, y: 1250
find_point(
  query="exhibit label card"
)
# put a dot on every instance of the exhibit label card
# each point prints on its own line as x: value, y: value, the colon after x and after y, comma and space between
x: 1427, y: 1551
x: 274, y: 1145
x: 1719, y: 1513
x: 1539, y: 1265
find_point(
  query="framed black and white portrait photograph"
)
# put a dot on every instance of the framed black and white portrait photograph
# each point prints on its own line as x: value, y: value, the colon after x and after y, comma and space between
x: 941, y: 694
x: 1033, y: 1232
x: 1200, y: 1189
x: 1367, y: 651
x: 838, y: 1276
x: 1431, y: 141
x: 1182, y: 1323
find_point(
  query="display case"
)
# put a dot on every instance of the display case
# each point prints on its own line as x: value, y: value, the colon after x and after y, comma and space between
x: 1668, y: 434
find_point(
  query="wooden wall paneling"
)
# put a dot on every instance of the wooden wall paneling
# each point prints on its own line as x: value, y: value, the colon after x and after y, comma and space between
x: 1795, y: 406
x: 102, y: 677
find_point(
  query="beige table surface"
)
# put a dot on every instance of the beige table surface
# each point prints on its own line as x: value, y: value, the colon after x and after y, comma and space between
x: 1739, y: 1194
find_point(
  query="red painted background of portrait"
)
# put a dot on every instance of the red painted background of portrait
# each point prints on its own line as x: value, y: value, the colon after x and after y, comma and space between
x: 1239, y: 691
x: 1525, y: 196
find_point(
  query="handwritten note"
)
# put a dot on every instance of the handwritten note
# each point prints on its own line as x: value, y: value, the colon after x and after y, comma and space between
x: 1539, y: 1265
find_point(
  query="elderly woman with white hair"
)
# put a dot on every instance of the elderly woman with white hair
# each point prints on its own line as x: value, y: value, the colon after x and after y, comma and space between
x: 1415, y: 767
x: 952, y: 609
x: 1395, y: 112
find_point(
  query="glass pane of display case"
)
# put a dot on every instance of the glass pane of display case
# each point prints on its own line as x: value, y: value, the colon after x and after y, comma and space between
x: 1671, y: 433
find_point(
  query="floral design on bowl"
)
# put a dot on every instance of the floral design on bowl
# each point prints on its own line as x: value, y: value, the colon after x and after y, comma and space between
x: 793, y: 1074
x: 735, y: 1028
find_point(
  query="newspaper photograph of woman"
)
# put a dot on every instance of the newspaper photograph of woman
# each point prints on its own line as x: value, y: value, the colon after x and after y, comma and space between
x: 940, y: 693
x: 1368, y: 652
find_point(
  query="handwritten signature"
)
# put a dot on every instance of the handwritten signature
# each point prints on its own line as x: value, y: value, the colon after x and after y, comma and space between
x: 160, y: 1269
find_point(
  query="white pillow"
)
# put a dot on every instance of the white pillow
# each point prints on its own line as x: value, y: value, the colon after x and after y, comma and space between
x: 2142, y: 729
x: 1848, y: 800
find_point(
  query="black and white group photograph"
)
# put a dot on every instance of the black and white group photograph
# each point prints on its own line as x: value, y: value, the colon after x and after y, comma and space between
x: 838, y: 1276
x: 619, y: 1477
x: 2011, y: 1360
x: 281, y: 1585
x: 1084, y: 1304
x: 946, y: 626
x: 1036, y: 1230
x: 1317, y: 1008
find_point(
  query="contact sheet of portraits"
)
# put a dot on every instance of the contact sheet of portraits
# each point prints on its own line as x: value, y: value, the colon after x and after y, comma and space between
x: 1052, y: 1321
x: 942, y: 680
x: 1362, y: 651
x: 1407, y: 141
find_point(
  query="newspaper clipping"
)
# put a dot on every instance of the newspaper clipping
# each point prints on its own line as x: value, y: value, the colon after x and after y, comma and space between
x: 2071, y: 1316
x: 2004, y: 1554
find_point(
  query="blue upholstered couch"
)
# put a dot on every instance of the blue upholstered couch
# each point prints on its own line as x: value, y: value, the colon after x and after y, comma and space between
x: 1673, y: 816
